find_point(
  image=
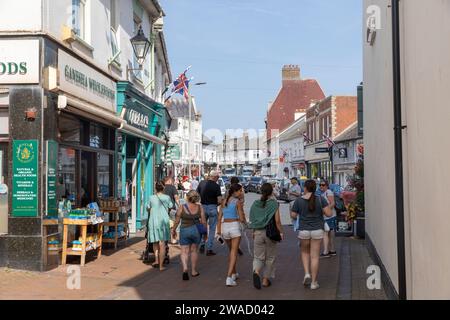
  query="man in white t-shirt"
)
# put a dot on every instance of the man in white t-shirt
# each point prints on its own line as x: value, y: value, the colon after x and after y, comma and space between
x: 295, y: 190
x: 330, y: 228
x: 194, y: 184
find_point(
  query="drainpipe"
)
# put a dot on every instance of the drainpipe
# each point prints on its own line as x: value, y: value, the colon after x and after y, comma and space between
x: 398, y: 128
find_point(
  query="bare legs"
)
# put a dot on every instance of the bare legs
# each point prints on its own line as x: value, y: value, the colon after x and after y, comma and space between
x: 186, y: 251
x: 159, y: 248
x: 310, y: 252
x: 233, y: 245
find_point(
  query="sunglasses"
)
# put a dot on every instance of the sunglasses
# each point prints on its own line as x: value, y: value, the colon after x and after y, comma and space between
x: 322, y: 185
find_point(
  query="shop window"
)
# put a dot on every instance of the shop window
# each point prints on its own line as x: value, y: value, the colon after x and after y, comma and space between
x: 69, y: 129
x: 66, y: 183
x: 100, y: 137
x: 104, y: 179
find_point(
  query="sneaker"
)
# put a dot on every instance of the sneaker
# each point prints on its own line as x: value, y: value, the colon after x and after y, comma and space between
x: 210, y: 253
x: 315, y: 286
x: 202, y: 248
x: 332, y: 253
x: 325, y: 255
x: 235, y: 276
x: 307, y: 280
x: 230, y: 282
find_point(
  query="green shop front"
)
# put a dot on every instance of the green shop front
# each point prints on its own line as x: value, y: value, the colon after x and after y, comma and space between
x: 139, y: 145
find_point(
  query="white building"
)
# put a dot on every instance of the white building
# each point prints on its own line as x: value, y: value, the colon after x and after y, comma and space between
x: 411, y: 244
x: 242, y: 151
x: 291, y: 161
x: 187, y: 146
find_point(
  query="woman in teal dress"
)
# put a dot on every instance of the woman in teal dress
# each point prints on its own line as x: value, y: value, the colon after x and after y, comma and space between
x: 159, y: 223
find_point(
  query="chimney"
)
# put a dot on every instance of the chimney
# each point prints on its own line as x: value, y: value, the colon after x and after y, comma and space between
x: 290, y: 72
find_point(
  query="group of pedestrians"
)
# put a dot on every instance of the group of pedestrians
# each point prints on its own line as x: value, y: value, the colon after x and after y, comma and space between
x: 205, y: 210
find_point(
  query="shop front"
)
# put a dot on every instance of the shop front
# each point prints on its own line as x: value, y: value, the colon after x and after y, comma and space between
x: 139, y: 150
x: 318, y: 161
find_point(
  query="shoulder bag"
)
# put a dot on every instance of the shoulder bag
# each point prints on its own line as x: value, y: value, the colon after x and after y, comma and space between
x: 200, y: 227
x: 272, y: 231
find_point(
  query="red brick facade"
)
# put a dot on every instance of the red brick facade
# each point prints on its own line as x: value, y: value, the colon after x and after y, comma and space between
x: 330, y: 116
x: 296, y: 95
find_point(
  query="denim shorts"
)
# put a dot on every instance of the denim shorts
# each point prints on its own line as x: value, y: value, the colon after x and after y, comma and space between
x: 331, y: 222
x: 189, y: 235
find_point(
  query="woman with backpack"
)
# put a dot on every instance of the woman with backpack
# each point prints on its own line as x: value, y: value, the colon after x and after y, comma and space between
x: 159, y: 224
x: 309, y: 209
x: 190, y: 214
x: 266, y: 224
x: 232, y: 212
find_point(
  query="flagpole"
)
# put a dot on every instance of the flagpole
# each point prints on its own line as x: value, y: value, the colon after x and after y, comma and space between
x: 190, y: 134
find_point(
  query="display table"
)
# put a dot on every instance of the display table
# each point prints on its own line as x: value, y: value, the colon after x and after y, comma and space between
x: 114, y: 221
x: 46, y: 224
x: 83, y: 224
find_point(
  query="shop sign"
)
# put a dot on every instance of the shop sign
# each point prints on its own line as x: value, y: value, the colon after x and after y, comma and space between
x: 342, y: 152
x: 19, y: 61
x: 25, y: 178
x: 322, y: 150
x: 52, y: 156
x: 175, y: 152
x: 137, y: 119
x: 80, y: 80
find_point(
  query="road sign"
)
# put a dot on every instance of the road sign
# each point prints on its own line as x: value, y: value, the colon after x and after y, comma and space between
x: 322, y: 150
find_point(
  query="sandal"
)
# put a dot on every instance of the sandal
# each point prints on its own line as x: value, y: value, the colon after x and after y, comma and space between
x: 155, y: 265
x: 185, y: 276
x: 195, y: 275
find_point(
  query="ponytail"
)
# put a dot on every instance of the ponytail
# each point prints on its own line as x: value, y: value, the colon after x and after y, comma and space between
x: 266, y: 191
x: 233, y: 188
x: 310, y: 186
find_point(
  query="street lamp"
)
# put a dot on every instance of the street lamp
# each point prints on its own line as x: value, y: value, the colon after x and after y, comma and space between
x: 140, y: 45
x: 190, y: 129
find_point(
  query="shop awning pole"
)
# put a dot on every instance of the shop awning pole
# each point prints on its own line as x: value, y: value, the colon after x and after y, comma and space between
x: 126, y: 128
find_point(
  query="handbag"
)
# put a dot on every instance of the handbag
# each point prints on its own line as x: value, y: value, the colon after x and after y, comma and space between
x: 272, y: 231
x: 200, y: 227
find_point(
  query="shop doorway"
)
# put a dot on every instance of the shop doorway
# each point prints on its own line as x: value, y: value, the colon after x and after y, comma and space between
x: 132, y: 182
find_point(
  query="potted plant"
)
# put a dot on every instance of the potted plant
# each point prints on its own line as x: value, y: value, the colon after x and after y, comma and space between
x: 358, y: 206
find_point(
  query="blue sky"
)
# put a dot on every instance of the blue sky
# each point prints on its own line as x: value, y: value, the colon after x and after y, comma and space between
x: 239, y: 48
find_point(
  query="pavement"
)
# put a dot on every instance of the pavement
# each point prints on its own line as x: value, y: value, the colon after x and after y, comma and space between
x: 121, y: 275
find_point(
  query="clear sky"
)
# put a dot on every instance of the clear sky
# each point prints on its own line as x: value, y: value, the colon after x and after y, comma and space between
x: 239, y: 47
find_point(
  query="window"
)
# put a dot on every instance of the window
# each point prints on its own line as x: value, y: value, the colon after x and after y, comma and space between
x: 69, y: 129
x: 136, y: 65
x: 104, y: 179
x: 114, y: 27
x: 66, y: 184
x: 79, y: 18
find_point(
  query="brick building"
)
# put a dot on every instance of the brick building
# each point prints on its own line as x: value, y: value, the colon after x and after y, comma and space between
x: 330, y: 117
x: 295, y: 96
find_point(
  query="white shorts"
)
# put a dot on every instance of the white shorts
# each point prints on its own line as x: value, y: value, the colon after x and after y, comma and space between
x: 231, y: 230
x: 308, y: 235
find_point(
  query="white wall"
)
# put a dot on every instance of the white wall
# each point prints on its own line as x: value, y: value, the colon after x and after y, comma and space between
x: 20, y: 15
x: 379, y: 142
x: 426, y: 76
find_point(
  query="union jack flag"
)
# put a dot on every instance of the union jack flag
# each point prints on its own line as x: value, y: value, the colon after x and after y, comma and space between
x: 181, y: 85
x: 330, y: 142
x: 307, y: 139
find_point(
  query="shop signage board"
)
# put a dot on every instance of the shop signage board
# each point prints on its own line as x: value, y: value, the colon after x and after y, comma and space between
x: 137, y: 118
x: 19, y: 61
x: 52, y: 156
x: 25, y: 178
x: 80, y: 80
x: 175, y: 152
x: 322, y: 150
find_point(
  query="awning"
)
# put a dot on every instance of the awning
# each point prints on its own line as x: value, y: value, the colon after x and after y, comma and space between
x: 86, y: 110
x: 126, y: 128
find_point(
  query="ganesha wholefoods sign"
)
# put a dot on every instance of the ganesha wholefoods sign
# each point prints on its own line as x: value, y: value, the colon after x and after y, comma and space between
x: 19, y: 61
x: 81, y: 80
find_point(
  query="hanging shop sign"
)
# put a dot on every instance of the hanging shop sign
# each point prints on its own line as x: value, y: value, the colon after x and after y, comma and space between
x: 80, y: 80
x: 25, y: 178
x: 52, y: 156
x: 19, y: 61
x: 322, y: 150
x: 342, y: 152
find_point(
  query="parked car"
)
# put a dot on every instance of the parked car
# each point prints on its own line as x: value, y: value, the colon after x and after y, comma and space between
x: 283, y: 190
x: 254, y: 184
